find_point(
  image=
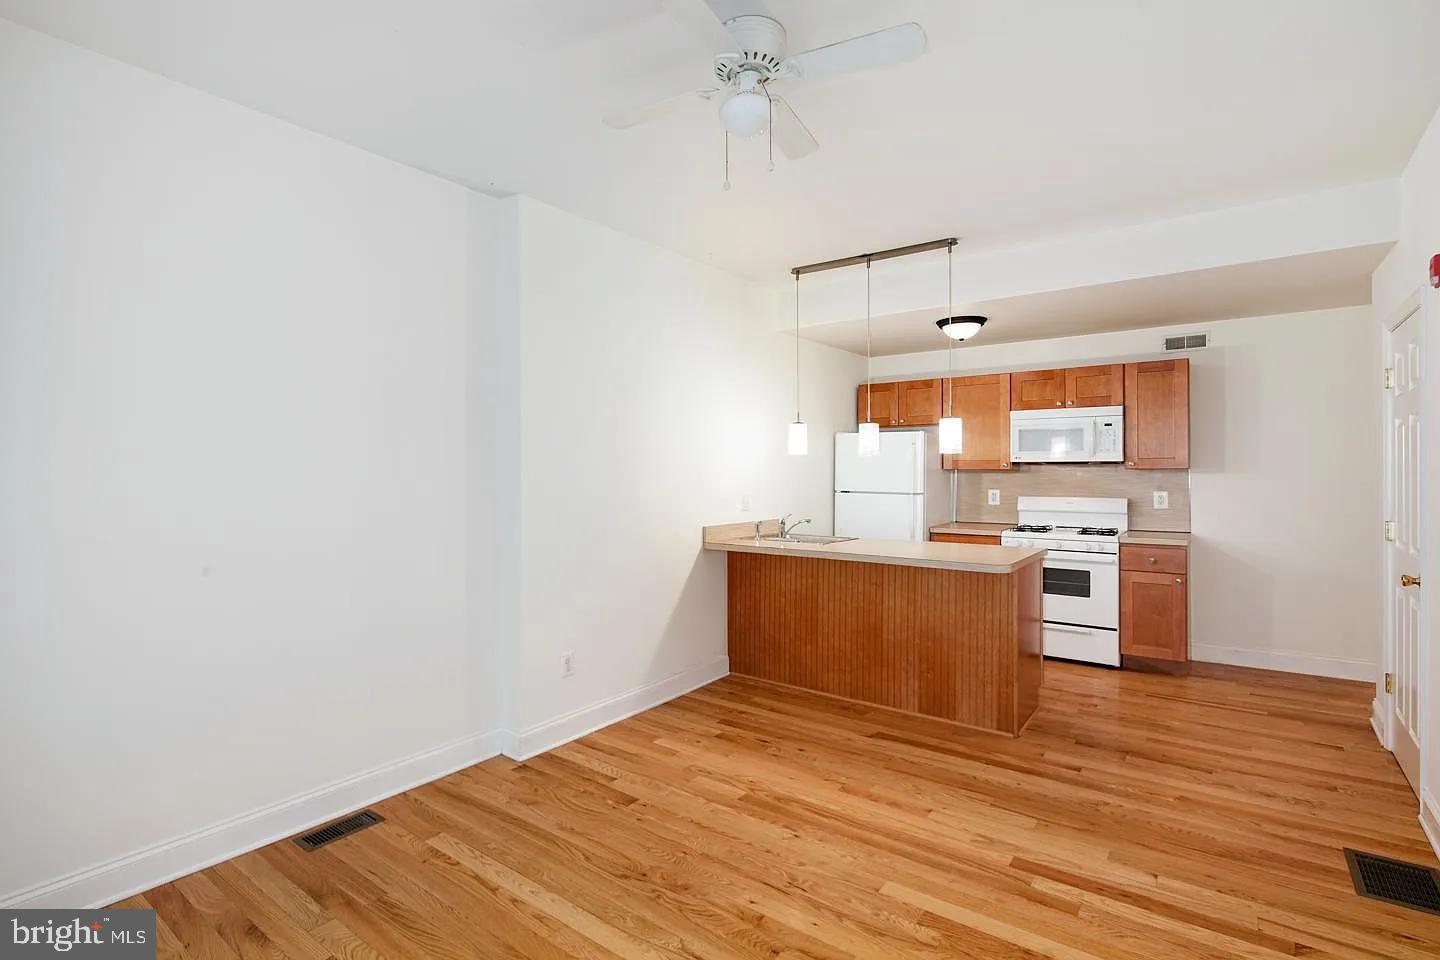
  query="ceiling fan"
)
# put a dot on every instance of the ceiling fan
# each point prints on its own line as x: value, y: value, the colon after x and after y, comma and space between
x: 750, y: 57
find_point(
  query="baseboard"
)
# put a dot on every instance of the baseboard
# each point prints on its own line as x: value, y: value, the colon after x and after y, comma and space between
x: 537, y: 739
x: 125, y: 876
x: 1377, y: 722
x: 1430, y: 820
x: 1337, y: 667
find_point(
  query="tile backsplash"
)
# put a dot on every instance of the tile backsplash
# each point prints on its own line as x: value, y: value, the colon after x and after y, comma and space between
x: 1077, y: 480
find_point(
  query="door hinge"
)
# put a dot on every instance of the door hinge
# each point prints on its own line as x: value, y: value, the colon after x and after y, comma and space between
x: 1389, y: 683
x: 1390, y: 530
x: 1389, y: 378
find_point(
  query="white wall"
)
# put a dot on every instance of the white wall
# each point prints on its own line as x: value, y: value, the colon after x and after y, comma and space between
x: 1402, y: 275
x: 233, y: 474
x: 655, y: 396
x: 1283, y: 419
x: 314, y: 464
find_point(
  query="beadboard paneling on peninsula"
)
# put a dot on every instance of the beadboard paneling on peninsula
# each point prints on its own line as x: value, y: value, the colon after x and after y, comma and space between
x: 1077, y: 480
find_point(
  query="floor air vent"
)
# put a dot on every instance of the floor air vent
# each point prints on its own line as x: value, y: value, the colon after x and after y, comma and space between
x: 1395, y: 881
x: 329, y: 833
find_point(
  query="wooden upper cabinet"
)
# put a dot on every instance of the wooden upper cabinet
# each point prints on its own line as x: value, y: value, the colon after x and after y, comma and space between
x: 1037, y: 389
x: 918, y: 402
x: 983, y: 405
x: 1157, y: 415
x: 1102, y: 386
x: 882, y: 406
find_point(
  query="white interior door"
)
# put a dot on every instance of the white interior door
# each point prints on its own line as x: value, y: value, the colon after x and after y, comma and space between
x: 1403, y: 456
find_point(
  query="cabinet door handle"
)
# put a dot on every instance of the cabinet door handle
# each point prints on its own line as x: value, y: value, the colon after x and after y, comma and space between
x: 1179, y: 580
x: 1151, y: 560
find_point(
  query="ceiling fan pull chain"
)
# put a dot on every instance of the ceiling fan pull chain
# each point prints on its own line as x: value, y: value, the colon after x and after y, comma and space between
x: 770, y: 130
x: 727, y: 159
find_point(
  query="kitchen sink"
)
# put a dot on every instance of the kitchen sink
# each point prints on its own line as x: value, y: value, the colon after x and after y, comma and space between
x: 814, y: 539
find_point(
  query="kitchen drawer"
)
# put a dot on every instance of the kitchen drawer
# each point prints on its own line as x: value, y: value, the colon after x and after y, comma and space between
x: 1148, y: 559
x: 966, y: 538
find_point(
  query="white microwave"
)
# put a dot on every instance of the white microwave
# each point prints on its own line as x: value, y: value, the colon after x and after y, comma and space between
x: 1080, y: 435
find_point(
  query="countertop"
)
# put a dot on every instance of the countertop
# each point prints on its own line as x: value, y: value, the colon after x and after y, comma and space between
x: 1155, y: 538
x: 973, y: 528
x: 970, y: 557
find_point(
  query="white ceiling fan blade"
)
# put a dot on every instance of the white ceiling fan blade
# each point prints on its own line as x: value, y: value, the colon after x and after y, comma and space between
x: 634, y: 116
x: 879, y: 49
x: 790, y: 132
x: 701, y: 20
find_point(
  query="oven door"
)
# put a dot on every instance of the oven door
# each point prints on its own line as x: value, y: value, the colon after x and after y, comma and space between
x: 1082, y: 589
x: 1055, y: 440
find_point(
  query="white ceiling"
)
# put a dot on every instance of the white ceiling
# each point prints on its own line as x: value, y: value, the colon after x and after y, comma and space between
x: 1334, y: 278
x: 1027, y: 118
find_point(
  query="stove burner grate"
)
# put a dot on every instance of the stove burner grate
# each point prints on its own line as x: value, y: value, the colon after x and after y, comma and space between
x: 1099, y: 532
x: 1033, y: 528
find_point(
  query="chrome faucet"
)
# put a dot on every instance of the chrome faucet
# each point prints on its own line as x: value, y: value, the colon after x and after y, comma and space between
x: 787, y: 530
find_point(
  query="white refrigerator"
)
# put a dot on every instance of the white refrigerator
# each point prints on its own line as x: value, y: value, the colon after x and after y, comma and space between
x: 896, y: 495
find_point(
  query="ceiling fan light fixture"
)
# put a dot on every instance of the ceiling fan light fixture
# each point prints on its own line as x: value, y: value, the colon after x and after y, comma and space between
x: 960, y: 328
x: 745, y: 113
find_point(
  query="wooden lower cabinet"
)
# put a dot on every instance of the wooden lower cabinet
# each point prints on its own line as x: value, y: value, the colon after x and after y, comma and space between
x: 1154, y: 603
x: 993, y: 541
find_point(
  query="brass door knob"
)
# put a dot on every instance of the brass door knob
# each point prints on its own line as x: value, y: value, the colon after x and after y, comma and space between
x: 1408, y: 581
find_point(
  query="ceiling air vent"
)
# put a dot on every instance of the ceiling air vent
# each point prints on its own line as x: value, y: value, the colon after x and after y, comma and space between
x: 1193, y: 341
x: 331, y: 832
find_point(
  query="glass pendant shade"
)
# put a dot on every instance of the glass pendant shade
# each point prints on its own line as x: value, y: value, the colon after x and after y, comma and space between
x: 952, y: 435
x: 799, y: 439
x: 869, y: 445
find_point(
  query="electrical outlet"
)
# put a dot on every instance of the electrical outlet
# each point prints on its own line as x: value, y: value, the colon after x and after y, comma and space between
x: 744, y: 503
x: 1162, y: 500
x: 567, y: 664
x: 992, y: 497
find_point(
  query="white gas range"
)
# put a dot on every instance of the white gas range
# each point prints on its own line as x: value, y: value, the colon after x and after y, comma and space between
x: 1082, y: 571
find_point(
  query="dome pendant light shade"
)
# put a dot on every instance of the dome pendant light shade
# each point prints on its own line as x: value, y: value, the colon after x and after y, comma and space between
x: 952, y: 435
x: 799, y: 439
x: 869, y: 445
x: 960, y: 328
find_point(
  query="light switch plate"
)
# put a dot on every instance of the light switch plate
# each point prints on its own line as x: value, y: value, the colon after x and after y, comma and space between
x: 992, y: 497
x: 744, y: 503
x: 1162, y: 500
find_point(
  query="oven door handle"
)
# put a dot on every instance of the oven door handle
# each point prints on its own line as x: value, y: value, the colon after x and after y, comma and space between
x: 1070, y: 559
x: 1066, y: 628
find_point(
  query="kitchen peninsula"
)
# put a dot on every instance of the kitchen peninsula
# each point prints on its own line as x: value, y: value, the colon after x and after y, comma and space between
x: 948, y: 630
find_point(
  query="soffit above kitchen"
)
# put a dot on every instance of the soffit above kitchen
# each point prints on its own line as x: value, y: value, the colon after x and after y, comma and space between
x: 1317, y: 281
x: 1022, y: 121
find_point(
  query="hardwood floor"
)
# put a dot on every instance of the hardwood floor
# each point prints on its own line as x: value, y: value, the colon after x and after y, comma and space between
x: 1140, y: 816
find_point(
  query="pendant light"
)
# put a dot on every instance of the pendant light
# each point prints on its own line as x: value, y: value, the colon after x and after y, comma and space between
x: 952, y: 428
x: 869, y: 442
x: 799, y: 440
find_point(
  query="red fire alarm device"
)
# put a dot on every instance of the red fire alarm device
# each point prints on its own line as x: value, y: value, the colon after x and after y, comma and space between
x: 1435, y: 270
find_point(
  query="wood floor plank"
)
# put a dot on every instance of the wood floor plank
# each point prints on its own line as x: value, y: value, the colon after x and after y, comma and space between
x: 1139, y: 816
